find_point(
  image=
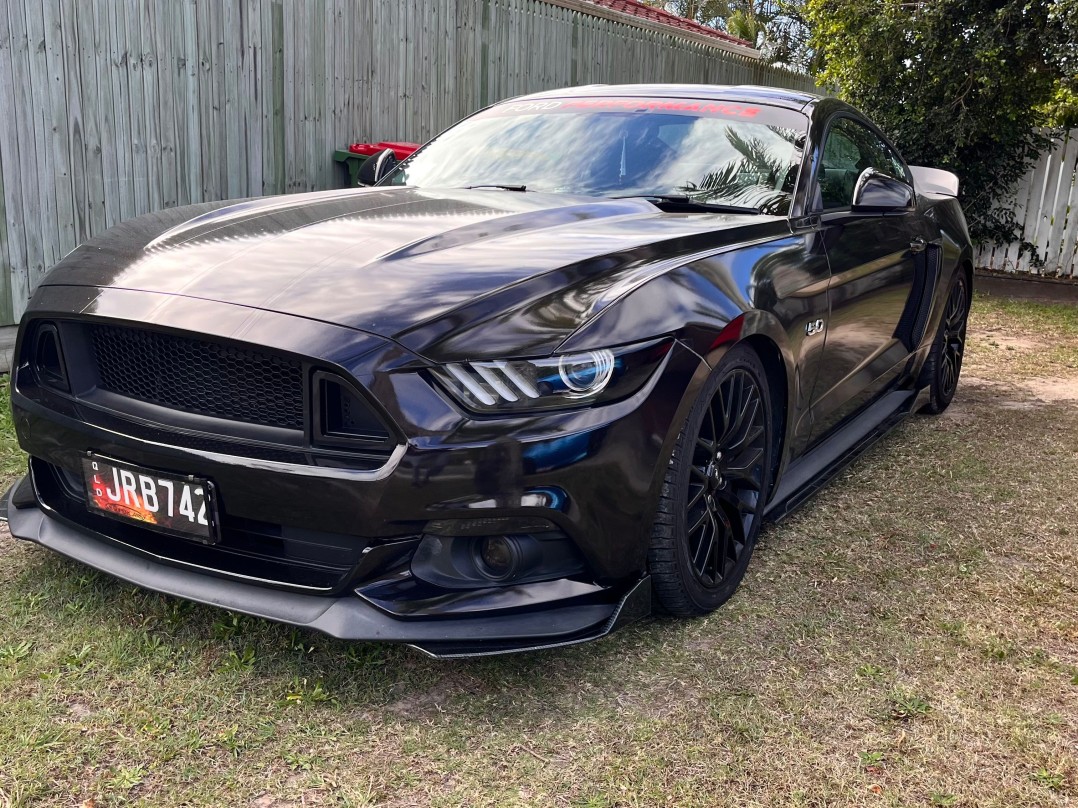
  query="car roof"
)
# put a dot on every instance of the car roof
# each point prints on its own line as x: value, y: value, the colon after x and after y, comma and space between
x: 744, y: 93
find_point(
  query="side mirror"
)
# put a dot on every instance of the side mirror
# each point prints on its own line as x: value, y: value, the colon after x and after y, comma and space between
x: 377, y: 166
x: 875, y: 192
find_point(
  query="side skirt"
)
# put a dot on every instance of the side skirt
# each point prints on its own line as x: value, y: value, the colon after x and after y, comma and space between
x: 811, y: 472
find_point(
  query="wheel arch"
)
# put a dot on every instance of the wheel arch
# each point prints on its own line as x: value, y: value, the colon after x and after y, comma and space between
x: 762, y: 331
x: 778, y: 384
x: 967, y: 267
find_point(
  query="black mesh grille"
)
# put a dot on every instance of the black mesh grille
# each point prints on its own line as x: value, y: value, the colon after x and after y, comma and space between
x: 199, y: 376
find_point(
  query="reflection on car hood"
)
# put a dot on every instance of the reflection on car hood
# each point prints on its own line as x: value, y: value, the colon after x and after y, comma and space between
x: 518, y: 272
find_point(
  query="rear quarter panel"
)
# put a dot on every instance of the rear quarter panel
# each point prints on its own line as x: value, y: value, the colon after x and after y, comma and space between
x: 957, y: 256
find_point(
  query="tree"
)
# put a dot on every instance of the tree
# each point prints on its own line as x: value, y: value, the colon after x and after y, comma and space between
x: 706, y: 12
x: 958, y: 85
x: 776, y: 27
x: 787, y: 38
x: 1062, y: 109
x: 745, y: 24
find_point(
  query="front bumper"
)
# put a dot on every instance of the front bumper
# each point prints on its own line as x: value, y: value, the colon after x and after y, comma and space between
x: 328, y: 544
x: 594, y: 473
x: 345, y: 617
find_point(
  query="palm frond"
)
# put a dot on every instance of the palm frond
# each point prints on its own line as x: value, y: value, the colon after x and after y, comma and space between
x: 750, y: 179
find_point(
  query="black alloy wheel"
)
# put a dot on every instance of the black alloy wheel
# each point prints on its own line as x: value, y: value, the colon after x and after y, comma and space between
x: 715, y: 490
x: 944, y: 363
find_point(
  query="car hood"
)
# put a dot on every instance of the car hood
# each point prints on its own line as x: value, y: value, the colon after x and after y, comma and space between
x: 448, y: 273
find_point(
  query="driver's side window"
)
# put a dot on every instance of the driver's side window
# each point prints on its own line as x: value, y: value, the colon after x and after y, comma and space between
x: 850, y: 148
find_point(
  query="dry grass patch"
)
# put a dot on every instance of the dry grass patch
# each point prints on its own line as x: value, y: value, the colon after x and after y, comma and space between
x: 908, y: 638
x: 1014, y: 341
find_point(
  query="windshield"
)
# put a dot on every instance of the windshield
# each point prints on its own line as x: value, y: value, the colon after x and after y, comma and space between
x: 715, y: 152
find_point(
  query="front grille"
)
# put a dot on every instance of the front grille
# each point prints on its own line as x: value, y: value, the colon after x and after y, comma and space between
x: 199, y: 376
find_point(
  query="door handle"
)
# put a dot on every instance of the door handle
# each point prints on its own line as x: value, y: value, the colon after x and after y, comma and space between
x: 917, y: 244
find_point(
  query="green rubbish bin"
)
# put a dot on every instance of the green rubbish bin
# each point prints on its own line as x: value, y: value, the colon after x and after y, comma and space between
x: 351, y: 162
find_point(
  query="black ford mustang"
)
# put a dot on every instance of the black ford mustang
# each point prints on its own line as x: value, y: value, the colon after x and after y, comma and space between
x: 562, y: 361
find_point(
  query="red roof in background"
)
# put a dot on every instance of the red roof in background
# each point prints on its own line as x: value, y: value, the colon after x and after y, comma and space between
x: 666, y: 18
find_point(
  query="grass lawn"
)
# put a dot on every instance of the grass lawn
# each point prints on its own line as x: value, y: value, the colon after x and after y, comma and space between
x: 908, y: 638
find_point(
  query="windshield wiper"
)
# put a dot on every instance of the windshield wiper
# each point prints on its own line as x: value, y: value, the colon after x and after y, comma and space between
x: 684, y: 201
x: 499, y: 187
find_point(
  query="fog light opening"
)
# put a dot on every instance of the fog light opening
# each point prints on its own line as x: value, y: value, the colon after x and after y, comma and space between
x: 497, y: 557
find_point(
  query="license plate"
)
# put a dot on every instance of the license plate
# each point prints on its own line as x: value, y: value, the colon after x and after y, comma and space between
x: 169, y: 503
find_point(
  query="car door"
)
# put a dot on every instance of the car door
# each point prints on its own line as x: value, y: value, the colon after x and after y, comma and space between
x: 873, y: 259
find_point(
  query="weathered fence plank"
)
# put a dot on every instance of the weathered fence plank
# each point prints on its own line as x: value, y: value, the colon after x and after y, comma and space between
x: 1045, y: 204
x: 5, y: 280
x: 13, y: 245
x: 94, y: 145
x: 26, y: 171
x: 1068, y: 248
x: 42, y: 112
x: 73, y: 136
x: 1058, y: 218
x: 113, y: 108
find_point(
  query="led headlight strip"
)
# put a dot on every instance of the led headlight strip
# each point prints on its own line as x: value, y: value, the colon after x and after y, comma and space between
x: 490, y: 382
x: 556, y: 381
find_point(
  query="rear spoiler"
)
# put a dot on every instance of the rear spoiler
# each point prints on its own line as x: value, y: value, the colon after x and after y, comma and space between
x: 934, y: 181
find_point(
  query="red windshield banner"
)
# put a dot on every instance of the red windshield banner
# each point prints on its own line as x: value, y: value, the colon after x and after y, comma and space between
x: 718, y: 109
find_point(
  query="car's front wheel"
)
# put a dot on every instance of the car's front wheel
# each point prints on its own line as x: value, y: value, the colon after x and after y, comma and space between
x: 715, y: 490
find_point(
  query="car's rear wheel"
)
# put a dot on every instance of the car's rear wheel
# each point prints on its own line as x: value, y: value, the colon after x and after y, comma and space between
x: 944, y: 363
x: 715, y: 489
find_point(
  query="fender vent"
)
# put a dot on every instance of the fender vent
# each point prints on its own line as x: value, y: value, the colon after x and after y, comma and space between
x: 911, y: 328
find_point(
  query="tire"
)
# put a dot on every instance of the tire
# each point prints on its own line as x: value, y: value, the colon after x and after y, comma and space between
x: 944, y: 363
x: 716, y: 485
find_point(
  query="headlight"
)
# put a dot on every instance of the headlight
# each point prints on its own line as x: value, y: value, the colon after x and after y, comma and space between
x: 553, y: 382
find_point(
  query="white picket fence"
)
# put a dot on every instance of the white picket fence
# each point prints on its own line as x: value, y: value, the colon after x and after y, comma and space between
x: 1046, y: 203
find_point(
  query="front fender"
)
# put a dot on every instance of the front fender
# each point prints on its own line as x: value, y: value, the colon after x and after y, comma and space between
x: 764, y: 291
x: 709, y: 304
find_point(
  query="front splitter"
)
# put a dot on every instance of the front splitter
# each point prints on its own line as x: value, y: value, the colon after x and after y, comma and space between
x: 344, y: 617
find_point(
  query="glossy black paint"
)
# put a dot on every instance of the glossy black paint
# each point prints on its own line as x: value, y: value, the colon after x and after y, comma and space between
x: 878, y: 193
x: 448, y: 274
x: 375, y: 285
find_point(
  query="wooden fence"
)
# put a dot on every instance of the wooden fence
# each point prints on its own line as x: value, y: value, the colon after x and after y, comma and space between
x: 112, y: 108
x: 1046, y: 203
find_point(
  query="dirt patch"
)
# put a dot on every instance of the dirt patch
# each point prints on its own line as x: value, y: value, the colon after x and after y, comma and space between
x: 1053, y: 390
x: 1022, y: 394
x: 79, y: 711
x: 975, y: 393
x: 1010, y: 342
x: 422, y: 702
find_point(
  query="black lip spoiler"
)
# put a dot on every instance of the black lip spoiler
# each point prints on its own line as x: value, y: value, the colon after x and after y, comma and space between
x: 347, y: 617
x: 633, y: 607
